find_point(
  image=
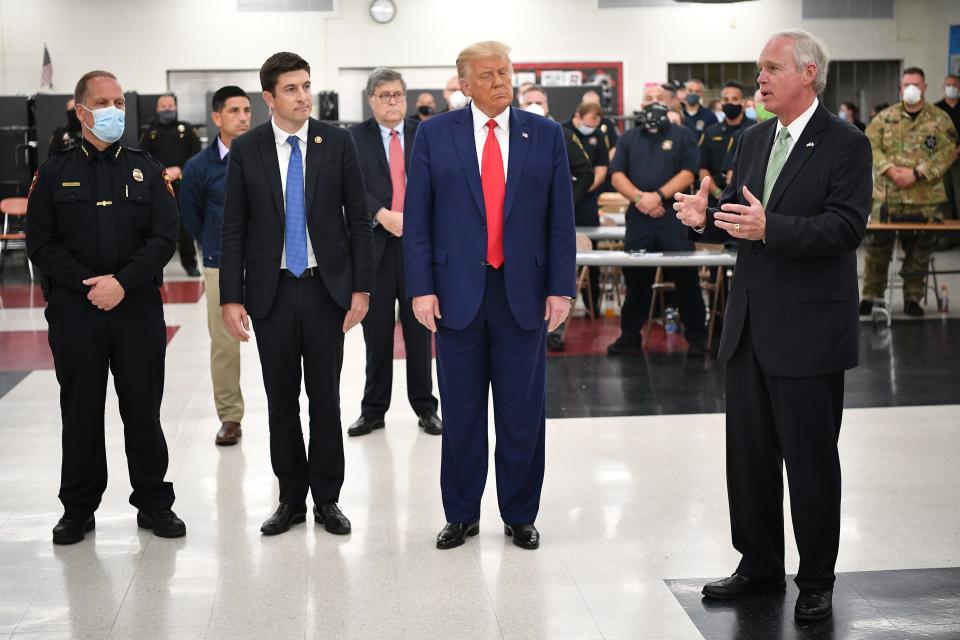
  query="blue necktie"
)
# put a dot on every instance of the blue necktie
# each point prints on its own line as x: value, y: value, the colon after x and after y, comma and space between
x: 295, y: 226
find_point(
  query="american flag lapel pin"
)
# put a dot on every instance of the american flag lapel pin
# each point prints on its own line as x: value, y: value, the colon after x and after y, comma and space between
x: 524, y: 134
x: 809, y: 144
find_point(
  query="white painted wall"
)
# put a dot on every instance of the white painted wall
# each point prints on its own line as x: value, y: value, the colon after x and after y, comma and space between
x: 140, y: 40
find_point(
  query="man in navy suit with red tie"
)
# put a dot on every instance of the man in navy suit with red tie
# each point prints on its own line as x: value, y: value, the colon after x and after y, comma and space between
x: 490, y: 255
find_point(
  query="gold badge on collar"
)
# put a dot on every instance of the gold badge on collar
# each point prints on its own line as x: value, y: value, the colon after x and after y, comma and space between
x: 667, y: 145
x: 318, y: 139
x: 181, y: 128
x: 138, y: 175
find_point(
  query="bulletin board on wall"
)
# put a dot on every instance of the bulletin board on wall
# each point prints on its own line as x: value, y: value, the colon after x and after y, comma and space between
x: 606, y: 78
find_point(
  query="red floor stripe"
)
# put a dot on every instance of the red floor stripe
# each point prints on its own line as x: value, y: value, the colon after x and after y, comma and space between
x: 29, y: 350
x: 181, y: 292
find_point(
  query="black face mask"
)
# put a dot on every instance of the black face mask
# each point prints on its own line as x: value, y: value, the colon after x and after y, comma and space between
x: 653, y: 118
x: 732, y: 111
x: 73, y: 122
x: 425, y: 110
x: 166, y: 117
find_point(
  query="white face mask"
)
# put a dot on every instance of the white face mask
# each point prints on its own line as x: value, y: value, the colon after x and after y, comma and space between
x: 535, y: 108
x: 585, y: 130
x: 912, y: 94
x: 457, y: 100
x: 951, y: 92
x: 842, y: 113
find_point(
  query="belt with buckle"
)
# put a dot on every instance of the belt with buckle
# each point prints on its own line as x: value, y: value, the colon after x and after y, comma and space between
x: 309, y: 272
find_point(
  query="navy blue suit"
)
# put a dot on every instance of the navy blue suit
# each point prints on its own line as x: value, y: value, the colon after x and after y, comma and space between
x: 492, y: 333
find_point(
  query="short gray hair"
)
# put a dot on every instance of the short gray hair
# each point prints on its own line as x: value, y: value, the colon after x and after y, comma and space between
x: 808, y: 49
x: 382, y: 75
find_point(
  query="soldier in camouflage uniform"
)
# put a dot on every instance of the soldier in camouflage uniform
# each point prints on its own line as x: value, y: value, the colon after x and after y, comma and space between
x: 913, y: 144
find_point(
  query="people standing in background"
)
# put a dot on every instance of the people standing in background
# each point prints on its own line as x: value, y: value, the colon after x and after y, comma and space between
x: 101, y: 225
x: 426, y: 106
x: 384, y: 145
x: 695, y: 116
x: 172, y: 142
x: 914, y: 144
x: 718, y: 141
x: 655, y: 160
x: 201, y: 209
x: 67, y: 136
x: 951, y: 179
x: 851, y: 113
x: 296, y: 256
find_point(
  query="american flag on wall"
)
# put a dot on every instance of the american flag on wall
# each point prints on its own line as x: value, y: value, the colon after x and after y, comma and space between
x: 46, y: 74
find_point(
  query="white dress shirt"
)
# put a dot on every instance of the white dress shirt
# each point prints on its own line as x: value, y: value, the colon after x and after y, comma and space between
x: 502, y: 132
x: 796, y: 127
x: 385, y: 138
x: 224, y: 149
x: 283, y: 157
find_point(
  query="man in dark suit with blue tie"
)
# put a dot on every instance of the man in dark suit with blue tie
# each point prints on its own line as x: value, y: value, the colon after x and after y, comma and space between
x: 490, y: 259
x: 297, y: 256
x: 797, y: 206
x: 385, y: 144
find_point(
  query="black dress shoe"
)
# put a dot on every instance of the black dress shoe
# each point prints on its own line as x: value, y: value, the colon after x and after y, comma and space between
x: 626, y: 346
x: 430, y: 423
x: 913, y: 309
x: 329, y: 515
x: 192, y: 271
x: 364, y: 425
x: 164, y: 524
x: 455, y: 533
x: 555, y: 342
x: 813, y: 605
x: 739, y: 586
x: 283, y: 518
x: 525, y: 536
x: 72, y: 528
x: 866, y: 307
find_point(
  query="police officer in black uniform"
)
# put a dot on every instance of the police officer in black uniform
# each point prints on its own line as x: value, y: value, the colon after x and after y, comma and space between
x: 67, y: 136
x: 172, y: 142
x: 654, y: 161
x: 718, y: 141
x: 101, y: 224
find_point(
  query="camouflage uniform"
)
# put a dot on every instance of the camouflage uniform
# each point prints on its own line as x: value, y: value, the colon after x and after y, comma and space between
x: 926, y: 144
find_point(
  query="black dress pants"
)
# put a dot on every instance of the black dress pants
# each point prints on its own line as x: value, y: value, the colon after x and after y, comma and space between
x: 130, y: 341
x: 772, y: 421
x: 301, y: 337
x: 378, y: 331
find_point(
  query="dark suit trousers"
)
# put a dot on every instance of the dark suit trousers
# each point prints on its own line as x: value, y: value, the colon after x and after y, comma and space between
x: 378, y: 330
x: 131, y: 342
x: 303, y: 327
x: 772, y: 421
x: 492, y: 351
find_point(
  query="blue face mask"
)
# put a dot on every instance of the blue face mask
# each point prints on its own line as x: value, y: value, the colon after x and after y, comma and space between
x: 750, y: 112
x: 107, y: 123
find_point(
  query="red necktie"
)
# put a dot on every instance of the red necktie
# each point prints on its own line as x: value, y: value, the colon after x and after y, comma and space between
x: 397, y: 174
x: 494, y: 190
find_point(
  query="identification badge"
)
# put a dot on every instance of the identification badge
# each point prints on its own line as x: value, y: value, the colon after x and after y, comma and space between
x: 138, y: 175
x: 667, y: 145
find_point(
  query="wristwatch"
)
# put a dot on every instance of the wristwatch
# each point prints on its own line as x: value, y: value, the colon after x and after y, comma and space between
x: 660, y: 193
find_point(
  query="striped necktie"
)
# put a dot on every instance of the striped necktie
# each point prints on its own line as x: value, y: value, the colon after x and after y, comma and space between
x: 778, y: 157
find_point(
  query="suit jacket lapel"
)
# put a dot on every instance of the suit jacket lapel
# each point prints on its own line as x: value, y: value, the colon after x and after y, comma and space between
x: 268, y: 155
x: 409, y: 134
x: 466, y: 146
x: 801, y: 152
x: 519, y: 138
x: 758, y: 171
x: 316, y: 154
x: 375, y: 139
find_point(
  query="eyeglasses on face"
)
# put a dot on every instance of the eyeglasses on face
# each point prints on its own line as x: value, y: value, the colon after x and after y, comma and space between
x: 387, y: 98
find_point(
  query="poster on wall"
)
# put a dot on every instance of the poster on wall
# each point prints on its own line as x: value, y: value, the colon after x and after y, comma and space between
x: 606, y: 78
x: 953, y: 62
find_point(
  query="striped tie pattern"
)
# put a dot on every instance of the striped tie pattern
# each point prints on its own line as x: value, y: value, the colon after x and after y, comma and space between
x: 778, y: 157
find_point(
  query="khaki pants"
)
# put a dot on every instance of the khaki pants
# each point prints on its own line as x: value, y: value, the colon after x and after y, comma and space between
x: 224, y: 354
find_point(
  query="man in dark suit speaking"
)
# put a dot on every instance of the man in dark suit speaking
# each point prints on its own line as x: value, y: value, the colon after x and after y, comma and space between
x: 798, y: 206
x: 297, y: 256
x: 489, y: 250
x: 385, y: 144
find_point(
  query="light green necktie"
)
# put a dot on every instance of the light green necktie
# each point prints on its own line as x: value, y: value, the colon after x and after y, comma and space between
x: 778, y: 157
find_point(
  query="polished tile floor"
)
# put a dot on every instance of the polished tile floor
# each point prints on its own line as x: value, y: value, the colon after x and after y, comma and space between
x: 633, y: 518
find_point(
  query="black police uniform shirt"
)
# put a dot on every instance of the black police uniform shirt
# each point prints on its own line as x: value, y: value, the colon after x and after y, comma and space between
x: 170, y: 144
x: 716, y: 142
x: 606, y: 133
x: 699, y: 121
x: 64, y: 138
x: 953, y: 112
x: 597, y: 146
x: 93, y: 213
x: 650, y: 160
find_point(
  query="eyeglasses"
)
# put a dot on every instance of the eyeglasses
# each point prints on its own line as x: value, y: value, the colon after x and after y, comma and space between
x: 386, y: 98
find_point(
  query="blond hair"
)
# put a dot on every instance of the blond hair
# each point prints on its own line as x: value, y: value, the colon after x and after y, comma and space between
x: 480, y: 51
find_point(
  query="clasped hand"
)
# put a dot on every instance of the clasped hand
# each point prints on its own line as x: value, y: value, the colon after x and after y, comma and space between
x: 105, y: 292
